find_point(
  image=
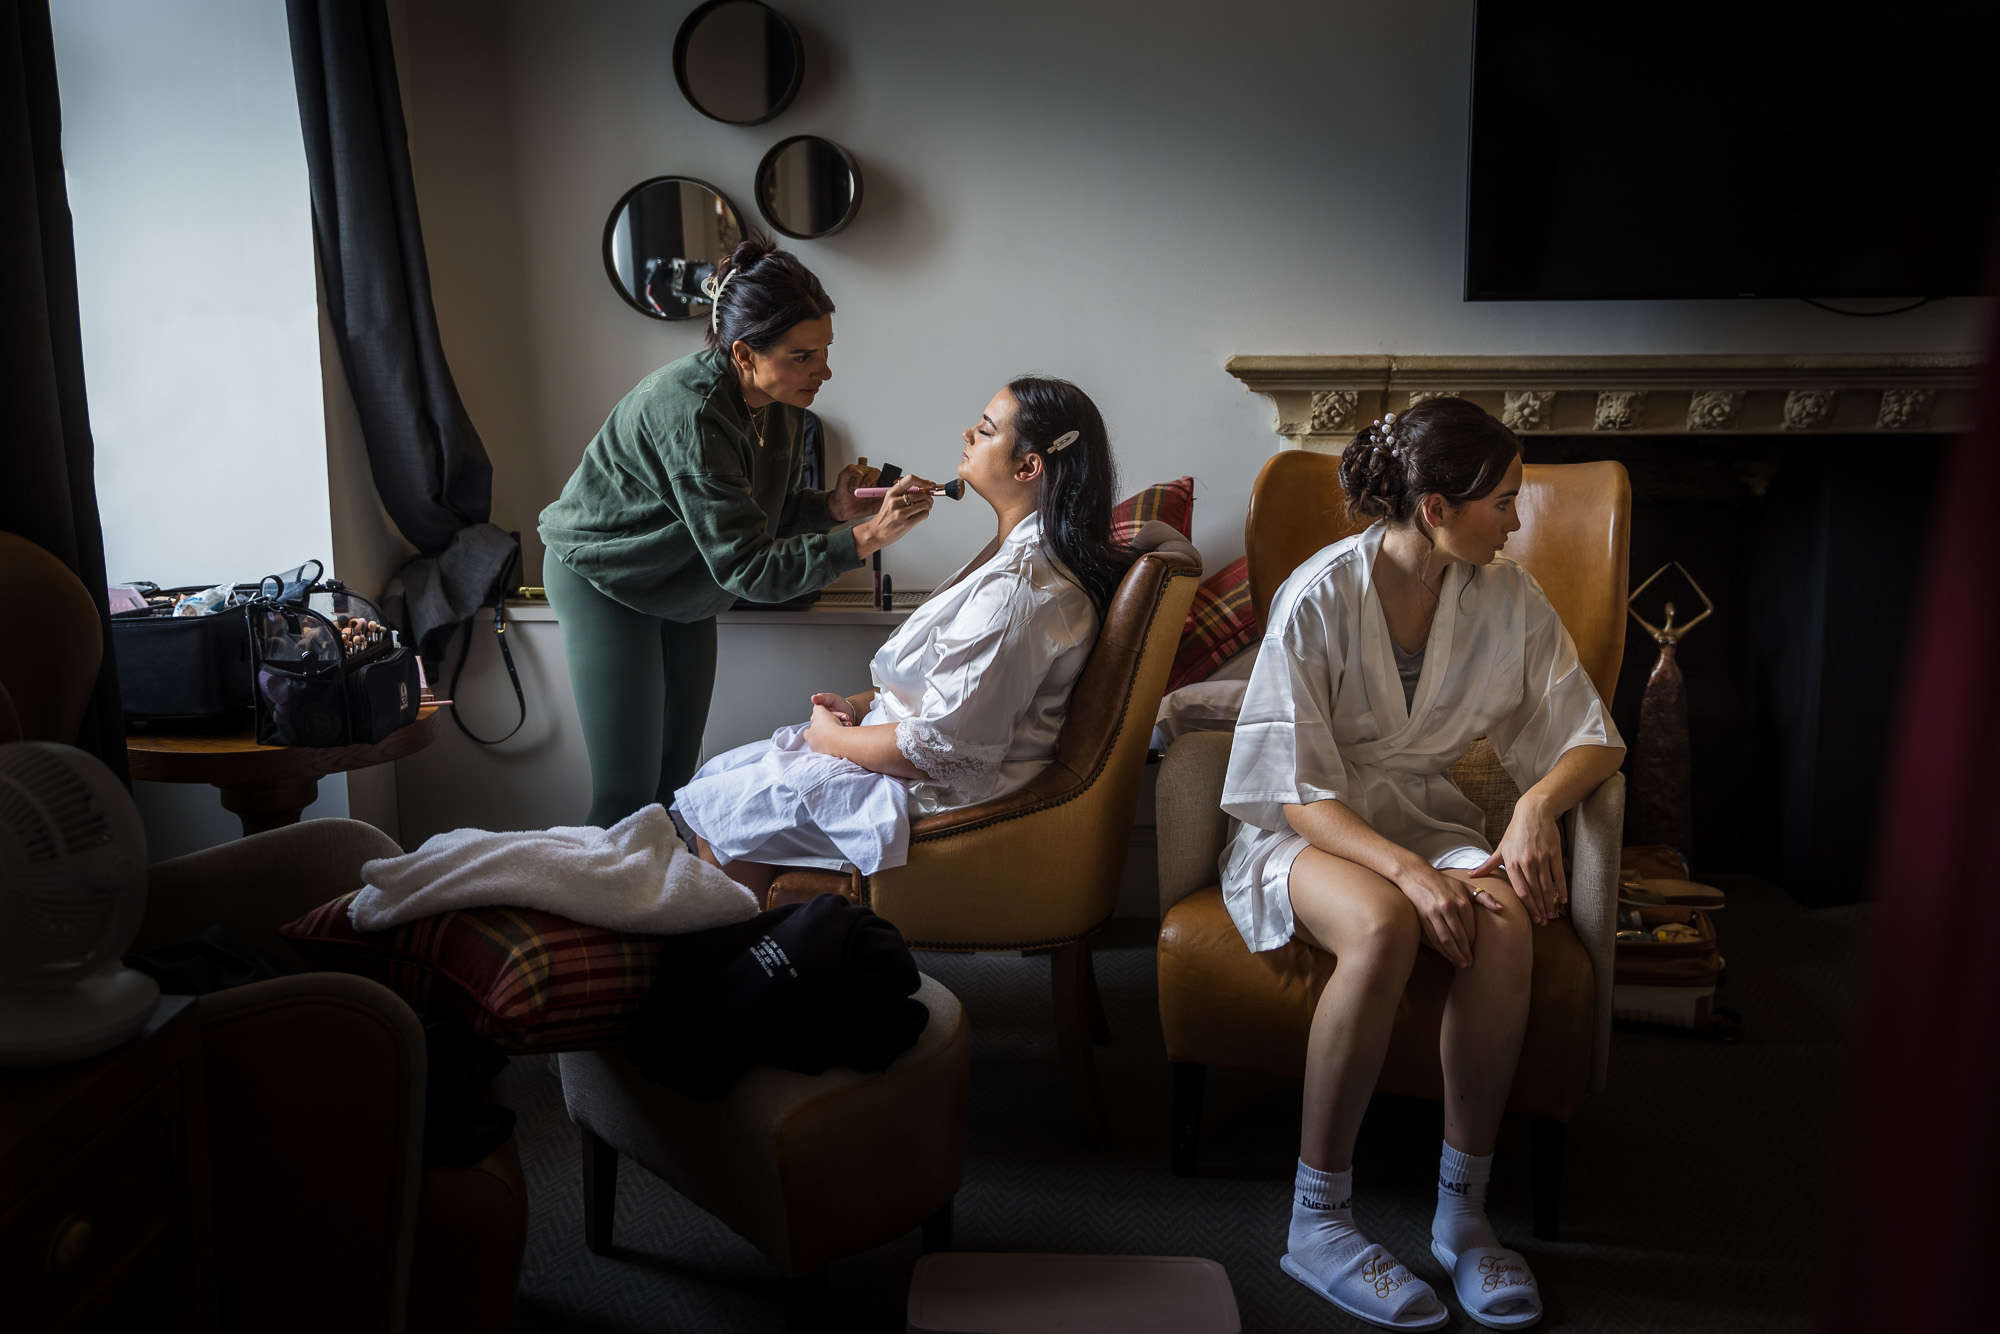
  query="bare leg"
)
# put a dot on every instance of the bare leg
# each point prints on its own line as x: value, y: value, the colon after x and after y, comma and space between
x: 1485, y: 1016
x: 1372, y: 930
x: 754, y: 876
x: 1366, y: 923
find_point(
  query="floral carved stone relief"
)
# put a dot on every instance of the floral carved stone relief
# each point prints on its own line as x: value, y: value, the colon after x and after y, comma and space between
x: 1321, y: 401
x: 1713, y: 409
x: 1617, y: 410
x: 1525, y: 411
x: 1902, y: 408
x: 1333, y: 409
x: 1807, y: 408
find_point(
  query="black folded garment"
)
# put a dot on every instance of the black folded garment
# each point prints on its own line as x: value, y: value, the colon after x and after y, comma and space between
x: 803, y: 987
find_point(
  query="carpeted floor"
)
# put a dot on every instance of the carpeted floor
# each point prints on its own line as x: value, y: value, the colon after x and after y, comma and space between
x: 1691, y: 1195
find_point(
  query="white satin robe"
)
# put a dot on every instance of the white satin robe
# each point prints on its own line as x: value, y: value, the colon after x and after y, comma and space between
x: 977, y: 682
x: 1324, y: 717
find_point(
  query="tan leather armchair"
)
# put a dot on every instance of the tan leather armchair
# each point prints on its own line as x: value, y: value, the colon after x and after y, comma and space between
x: 314, y: 1084
x: 1220, y: 1005
x: 1038, y: 869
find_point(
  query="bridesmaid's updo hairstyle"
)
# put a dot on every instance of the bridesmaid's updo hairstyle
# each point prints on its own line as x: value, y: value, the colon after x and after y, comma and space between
x: 1057, y: 420
x: 759, y: 292
x: 1448, y: 445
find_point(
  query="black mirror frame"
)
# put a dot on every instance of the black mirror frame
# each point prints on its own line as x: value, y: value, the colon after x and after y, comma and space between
x: 769, y: 164
x: 611, y: 224
x: 686, y: 33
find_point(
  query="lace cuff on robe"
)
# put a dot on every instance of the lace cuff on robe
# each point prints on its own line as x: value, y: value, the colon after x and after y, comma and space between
x: 966, y: 772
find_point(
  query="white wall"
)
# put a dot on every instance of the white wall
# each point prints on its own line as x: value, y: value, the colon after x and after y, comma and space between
x: 1124, y: 192
x: 187, y: 185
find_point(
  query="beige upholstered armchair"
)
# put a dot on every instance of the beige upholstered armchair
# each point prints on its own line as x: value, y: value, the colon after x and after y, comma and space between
x: 1222, y: 1005
x: 1038, y: 869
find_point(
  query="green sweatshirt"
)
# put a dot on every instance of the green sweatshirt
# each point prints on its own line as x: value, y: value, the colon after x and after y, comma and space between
x: 676, y: 510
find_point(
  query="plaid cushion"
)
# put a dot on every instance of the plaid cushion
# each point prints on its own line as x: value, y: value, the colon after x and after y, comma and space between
x: 531, y: 981
x: 1221, y: 623
x: 1170, y: 502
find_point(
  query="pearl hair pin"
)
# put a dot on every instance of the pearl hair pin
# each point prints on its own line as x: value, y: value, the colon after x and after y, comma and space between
x: 1385, y: 437
x: 1063, y: 441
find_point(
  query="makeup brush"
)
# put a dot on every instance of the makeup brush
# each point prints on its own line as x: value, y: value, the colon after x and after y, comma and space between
x: 954, y: 489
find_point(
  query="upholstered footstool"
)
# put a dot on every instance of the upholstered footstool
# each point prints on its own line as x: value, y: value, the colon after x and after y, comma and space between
x: 806, y: 1168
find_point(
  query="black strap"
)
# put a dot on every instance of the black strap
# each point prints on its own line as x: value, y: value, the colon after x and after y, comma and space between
x: 506, y: 655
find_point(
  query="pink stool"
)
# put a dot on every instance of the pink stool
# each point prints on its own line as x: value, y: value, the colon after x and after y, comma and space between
x: 966, y: 1292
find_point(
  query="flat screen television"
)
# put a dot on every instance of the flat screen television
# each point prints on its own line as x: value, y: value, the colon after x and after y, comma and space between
x: 1725, y: 148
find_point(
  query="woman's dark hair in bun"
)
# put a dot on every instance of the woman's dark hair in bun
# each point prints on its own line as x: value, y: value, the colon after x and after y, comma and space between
x: 765, y: 291
x: 1448, y: 445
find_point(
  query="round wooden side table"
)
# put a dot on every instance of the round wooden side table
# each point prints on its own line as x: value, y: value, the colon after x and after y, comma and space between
x: 264, y: 786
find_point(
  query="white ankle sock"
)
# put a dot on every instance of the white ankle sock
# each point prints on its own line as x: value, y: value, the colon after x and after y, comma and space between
x: 1330, y: 1255
x: 1323, y: 1234
x: 1460, y: 1222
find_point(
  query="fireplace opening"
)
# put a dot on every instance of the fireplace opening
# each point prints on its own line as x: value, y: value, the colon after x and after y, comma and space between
x: 1811, y: 548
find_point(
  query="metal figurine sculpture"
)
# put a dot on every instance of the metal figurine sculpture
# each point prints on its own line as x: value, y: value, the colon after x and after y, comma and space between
x: 1662, y: 804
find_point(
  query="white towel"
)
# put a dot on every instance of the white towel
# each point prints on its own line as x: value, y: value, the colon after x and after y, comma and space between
x: 634, y: 876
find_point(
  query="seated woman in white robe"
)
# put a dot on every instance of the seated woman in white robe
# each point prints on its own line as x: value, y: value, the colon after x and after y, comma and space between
x: 1385, y: 656
x: 969, y: 694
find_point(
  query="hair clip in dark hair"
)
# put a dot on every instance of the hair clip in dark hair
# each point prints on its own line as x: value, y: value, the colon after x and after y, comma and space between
x: 1063, y: 441
x: 713, y: 288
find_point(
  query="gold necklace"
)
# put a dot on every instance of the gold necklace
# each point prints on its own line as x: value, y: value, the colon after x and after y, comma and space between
x: 758, y: 416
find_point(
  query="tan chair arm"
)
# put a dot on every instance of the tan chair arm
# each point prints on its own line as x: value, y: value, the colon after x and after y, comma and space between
x: 254, y: 885
x: 1597, y: 841
x: 1187, y: 805
x: 315, y: 1105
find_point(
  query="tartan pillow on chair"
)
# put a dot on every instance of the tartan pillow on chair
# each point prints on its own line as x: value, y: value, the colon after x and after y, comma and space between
x: 531, y: 981
x: 1170, y: 502
x: 1221, y: 624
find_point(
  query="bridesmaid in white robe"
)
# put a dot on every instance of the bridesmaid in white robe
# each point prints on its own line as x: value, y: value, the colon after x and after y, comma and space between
x: 969, y: 695
x: 1385, y: 656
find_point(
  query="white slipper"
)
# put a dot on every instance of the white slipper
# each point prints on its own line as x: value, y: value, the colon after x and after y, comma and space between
x: 1493, y: 1284
x: 1378, y: 1289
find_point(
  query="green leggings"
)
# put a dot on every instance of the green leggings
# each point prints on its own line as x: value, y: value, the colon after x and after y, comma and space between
x: 642, y: 686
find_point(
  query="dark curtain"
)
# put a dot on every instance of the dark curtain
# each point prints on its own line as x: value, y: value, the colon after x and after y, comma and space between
x: 50, y: 491
x: 1916, y: 1223
x: 429, y: 466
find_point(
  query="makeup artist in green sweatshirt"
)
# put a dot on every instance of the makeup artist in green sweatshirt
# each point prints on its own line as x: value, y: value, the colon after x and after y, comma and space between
x: 685, y: 501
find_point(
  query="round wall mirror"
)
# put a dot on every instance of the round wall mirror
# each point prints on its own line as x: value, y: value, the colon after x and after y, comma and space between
x: 662, y: 238
x: 738, y: 61
x: 808, y: 186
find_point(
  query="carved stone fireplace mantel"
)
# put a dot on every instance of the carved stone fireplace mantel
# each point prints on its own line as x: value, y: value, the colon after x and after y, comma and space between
x: 1322, y: 401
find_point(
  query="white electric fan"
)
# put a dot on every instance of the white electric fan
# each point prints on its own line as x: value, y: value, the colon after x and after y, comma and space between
x: 72, y: 888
